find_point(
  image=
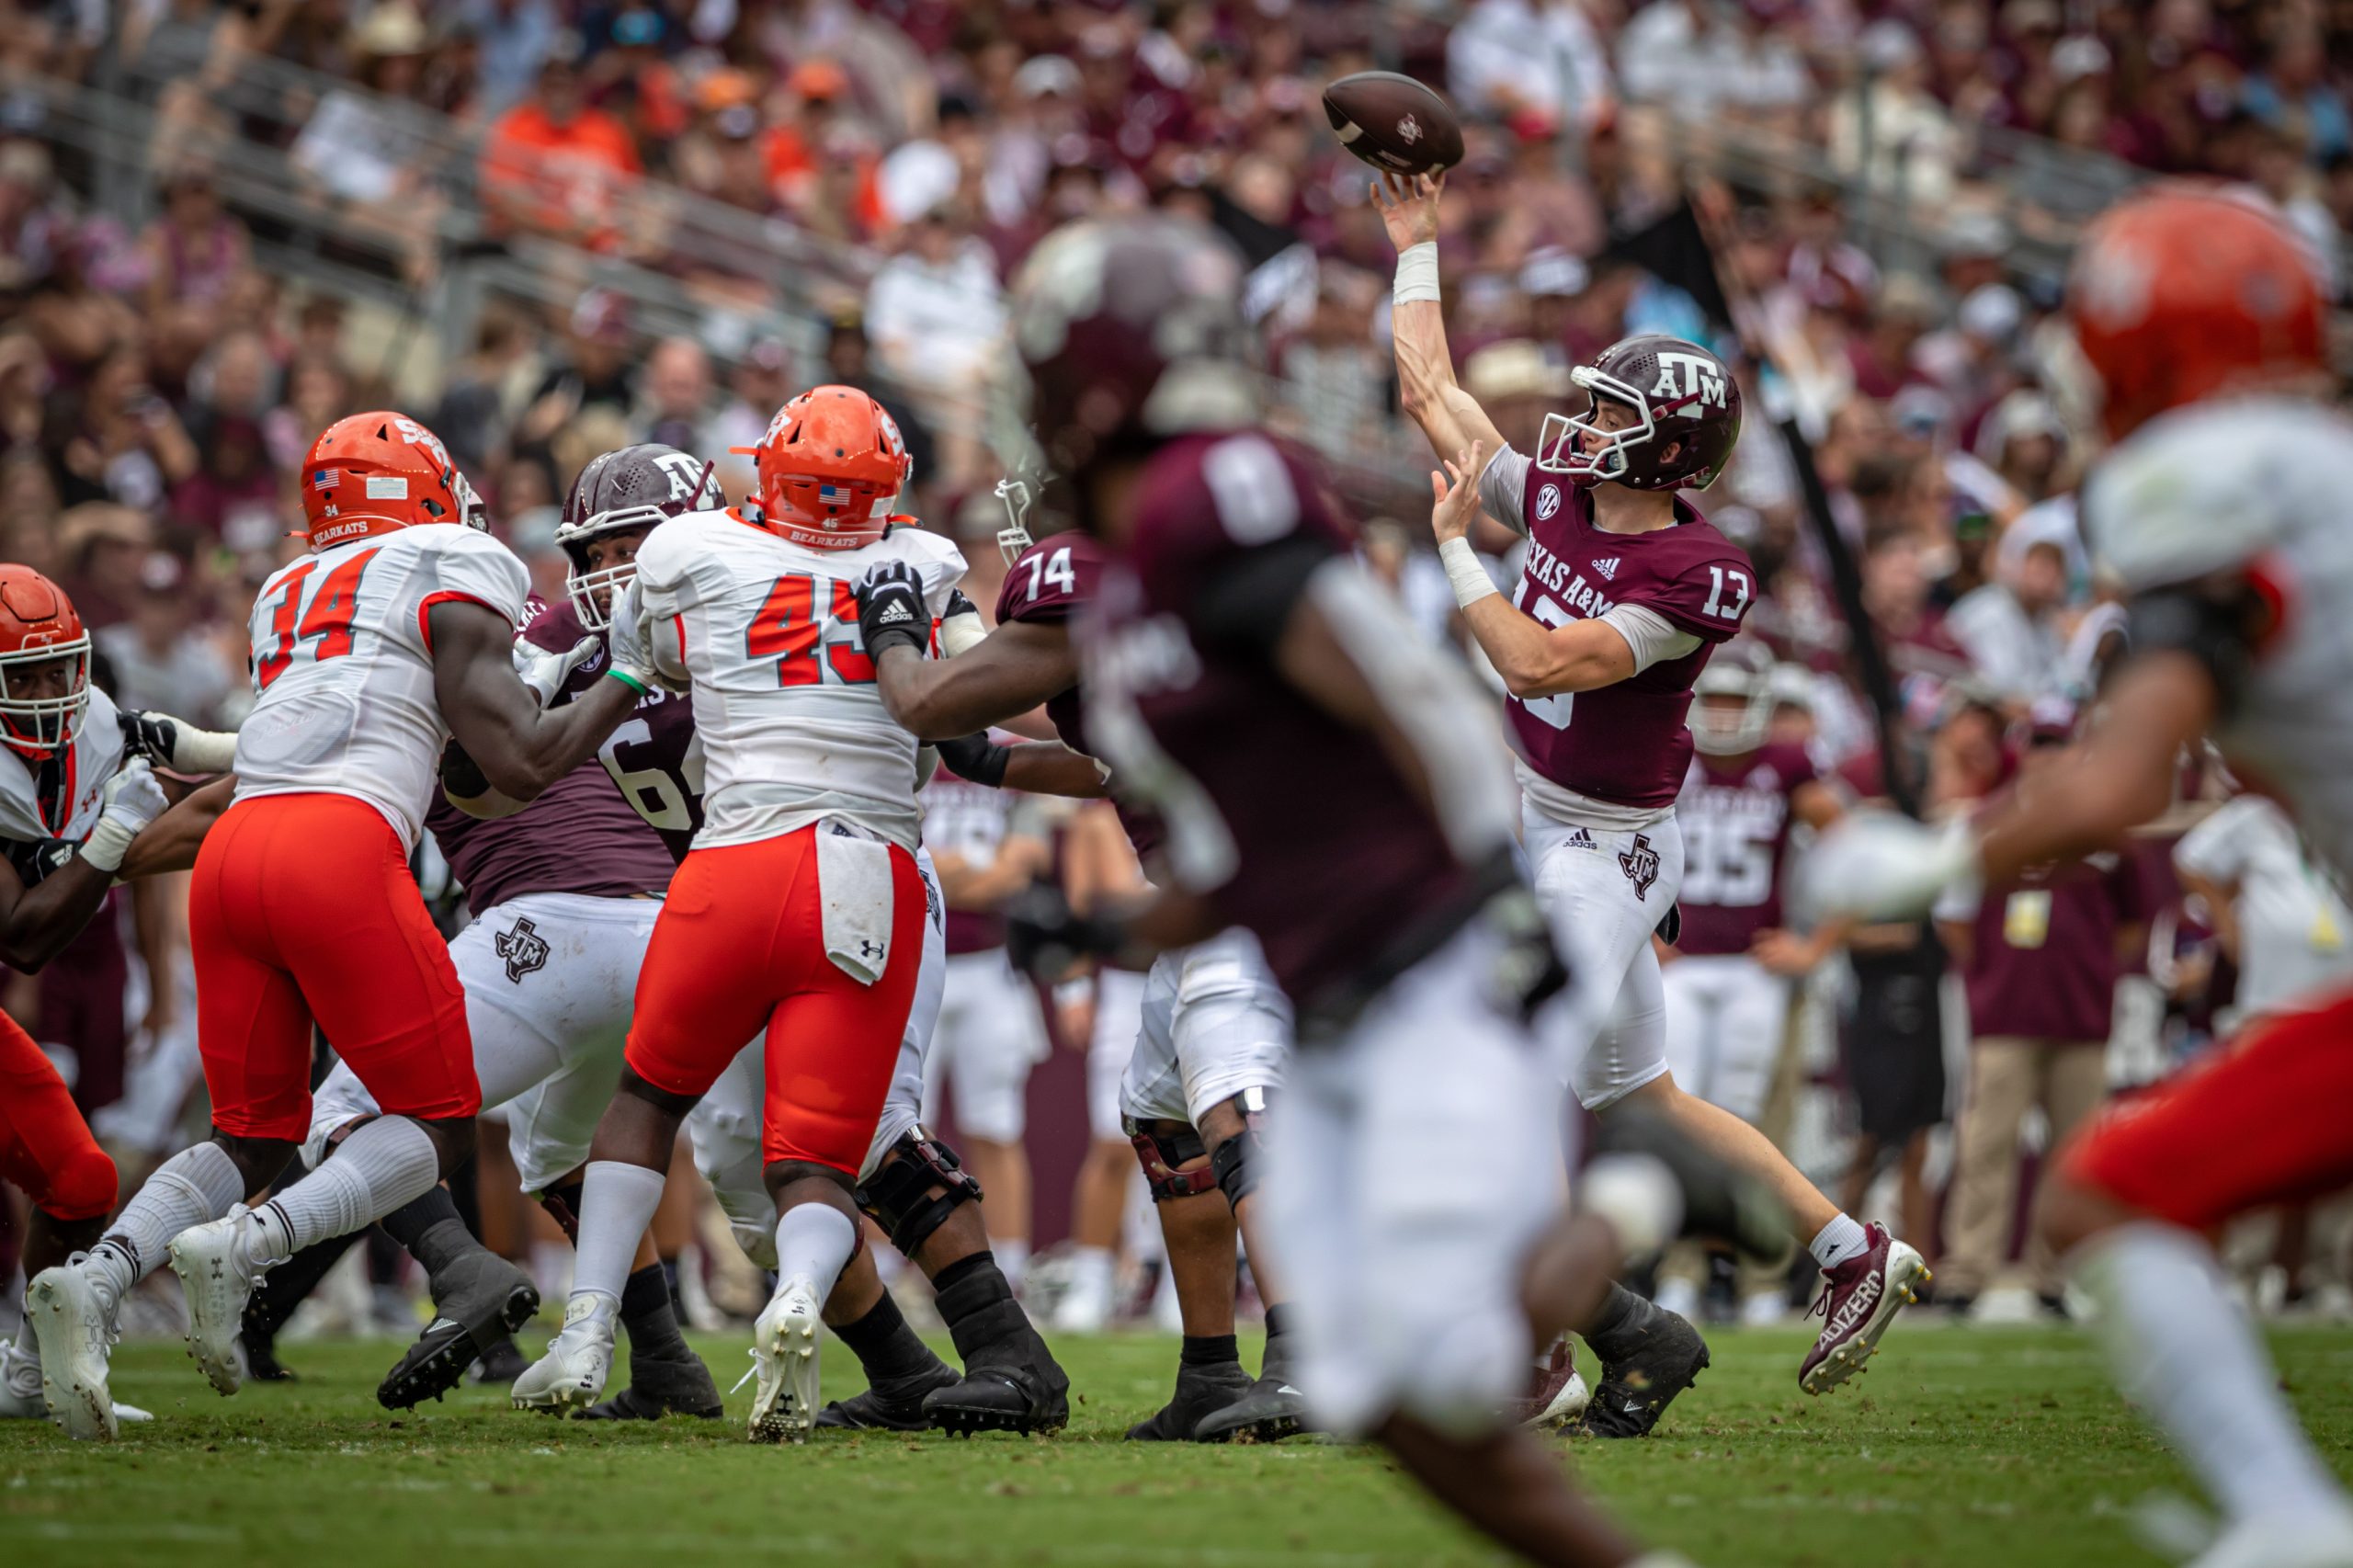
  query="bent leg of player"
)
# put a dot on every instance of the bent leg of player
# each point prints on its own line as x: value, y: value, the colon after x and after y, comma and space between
x: 1099, y: 1206
x: 992, y: 1037
x: 1196, y: 1224
x: 46, y: 1152
x: 2258, y: 1122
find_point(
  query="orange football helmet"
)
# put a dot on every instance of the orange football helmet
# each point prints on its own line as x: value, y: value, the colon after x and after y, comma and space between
x: 2188, y: 292
x: 829, y: 466
x: 373, y: 472
x: 40, y: 711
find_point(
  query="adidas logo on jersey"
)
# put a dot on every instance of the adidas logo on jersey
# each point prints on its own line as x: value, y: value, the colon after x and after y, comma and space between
x: 1580, y: 839
x: 1608, y: 567
x: 895, y: 612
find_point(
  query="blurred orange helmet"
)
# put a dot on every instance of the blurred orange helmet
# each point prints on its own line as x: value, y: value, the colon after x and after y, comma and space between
x: 2188, y: 292
x: 39, y: 624
x: 374, y: 473
x: 829, y: 466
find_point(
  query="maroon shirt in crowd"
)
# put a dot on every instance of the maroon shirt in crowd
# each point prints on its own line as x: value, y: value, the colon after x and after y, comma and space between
x: 968, y: 820
x: 1294, y: 825
x: 1624, y: 744
x: 1736, y: 813
x: 2043, y: 960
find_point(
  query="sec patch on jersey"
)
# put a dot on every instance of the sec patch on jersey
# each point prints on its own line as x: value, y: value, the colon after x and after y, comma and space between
x: 1393, y: 122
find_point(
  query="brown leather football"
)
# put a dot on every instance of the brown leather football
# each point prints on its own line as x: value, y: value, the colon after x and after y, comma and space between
x: 1393, y: 122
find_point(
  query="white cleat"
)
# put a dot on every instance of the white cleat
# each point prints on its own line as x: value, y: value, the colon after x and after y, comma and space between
x: 784, y: 1360
x: 2321, y: 1541
x: 74, y: 1320
x: 217, y: 1275
x: 572, y: 1375
x: 1082, y: 1309
x: 20, y: 1397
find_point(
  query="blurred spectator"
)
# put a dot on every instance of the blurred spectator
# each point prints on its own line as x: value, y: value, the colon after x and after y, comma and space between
x: 357, y: 146
x: 105, y: 548
x: 553, y: 165
x: 1891, y: 132
x: 676, y: 396
x: 1703, y: 56
x: 118, y: 440
x: 1539, y: 56
x: 934, y: 312
x: 195, y: 250
x: 157, y: 656
x: 593, y: 373
x: 473, y: 417
x: 848, y: 363
x: 511, y: 39
x: 758, y: 384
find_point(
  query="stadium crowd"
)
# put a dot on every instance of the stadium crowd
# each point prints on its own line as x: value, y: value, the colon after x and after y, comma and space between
x: 159, y: 383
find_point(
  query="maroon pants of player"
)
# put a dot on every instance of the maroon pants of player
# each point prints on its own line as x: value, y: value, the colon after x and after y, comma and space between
x: 45, y: 1146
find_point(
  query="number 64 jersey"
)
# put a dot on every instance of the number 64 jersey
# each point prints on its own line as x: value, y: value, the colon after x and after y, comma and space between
x: 792, y: 724
x: 343, y: 666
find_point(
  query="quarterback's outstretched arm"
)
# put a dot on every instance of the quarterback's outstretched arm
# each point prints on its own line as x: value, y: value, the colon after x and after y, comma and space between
x: 1427, y: 389
x: 520, y: 748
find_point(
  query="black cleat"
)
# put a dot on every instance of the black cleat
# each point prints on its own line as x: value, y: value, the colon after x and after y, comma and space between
x: 1202, y: 1392
x: 1645, y: 1361
x: 659, y: 1387
x: 275, y: 1296
x: 499, y: 1366
x: 1719, y: 1200
x: 480, y: 1298
x: 262, y: 1364
x: 1270, y: 1411
x: 1011, y: 1382
x: 897, y: 1407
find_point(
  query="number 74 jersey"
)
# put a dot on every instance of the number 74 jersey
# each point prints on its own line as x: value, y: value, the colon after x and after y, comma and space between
x: 785, y: 702
x: 342, y: 654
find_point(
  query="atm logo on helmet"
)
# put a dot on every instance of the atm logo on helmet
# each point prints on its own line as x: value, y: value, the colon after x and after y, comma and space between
x: 1692, y: 377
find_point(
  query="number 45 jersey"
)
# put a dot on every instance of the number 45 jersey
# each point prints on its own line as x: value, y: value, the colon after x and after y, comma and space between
x: 343, y: 666
x: 792, y: 724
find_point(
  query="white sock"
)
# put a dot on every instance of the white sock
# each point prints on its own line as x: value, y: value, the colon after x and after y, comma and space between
x: 813, y: 1242
x: 387, y: 1163
x: 2184, y: 1353
x: 616, y: 1202
x: 1091, y: 1271
x: 1840, y: 1239
x: 193, y: 1187
x: 1012, y: 1258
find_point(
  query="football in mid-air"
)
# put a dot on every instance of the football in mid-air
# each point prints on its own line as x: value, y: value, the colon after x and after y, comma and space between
x: 1393, y: 122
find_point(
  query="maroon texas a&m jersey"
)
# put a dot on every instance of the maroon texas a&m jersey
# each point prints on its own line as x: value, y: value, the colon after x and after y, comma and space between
x: 1736, y: 813
x: 1623, y: 744
x: 1293, y: 824
x: 582, y: 837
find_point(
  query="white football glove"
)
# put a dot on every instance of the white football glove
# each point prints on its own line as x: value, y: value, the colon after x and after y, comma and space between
x: 629, y: 639
x: 131, y: 798
x: 1881, y: 866
x: 545, y: 670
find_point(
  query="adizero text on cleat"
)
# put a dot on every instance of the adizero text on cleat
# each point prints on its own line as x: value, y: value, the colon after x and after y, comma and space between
x: 1858, y: 1302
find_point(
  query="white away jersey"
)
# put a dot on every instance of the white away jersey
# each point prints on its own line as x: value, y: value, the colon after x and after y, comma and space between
x: 2257, y: 486
x: 72, y: 790
x: 343, y: 666
x: 2295, y: 933
x: 792, y: 724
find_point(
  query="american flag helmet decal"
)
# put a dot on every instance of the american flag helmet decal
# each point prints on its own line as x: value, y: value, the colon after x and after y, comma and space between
x: 325, y: 478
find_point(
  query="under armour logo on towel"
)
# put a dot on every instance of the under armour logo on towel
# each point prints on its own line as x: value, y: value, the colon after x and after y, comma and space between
x: 1641, y: 866
x: 869, y: 950
x: 523, y: 949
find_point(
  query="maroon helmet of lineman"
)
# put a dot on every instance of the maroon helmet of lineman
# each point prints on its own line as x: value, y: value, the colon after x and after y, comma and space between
x: 631, y: 487
x: 1686, y: 418
x: 1129, y: 331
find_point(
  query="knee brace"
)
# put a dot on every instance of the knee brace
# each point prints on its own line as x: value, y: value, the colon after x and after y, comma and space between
x: 1234, y: 1161
x: 81, y: 1188
x: 1160, y: 1147
x: 901, y: 1198
x: 562, y: 1202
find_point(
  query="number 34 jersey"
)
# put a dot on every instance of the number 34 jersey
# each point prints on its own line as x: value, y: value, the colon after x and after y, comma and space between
x: 792, y: 724
x: 343, y: 666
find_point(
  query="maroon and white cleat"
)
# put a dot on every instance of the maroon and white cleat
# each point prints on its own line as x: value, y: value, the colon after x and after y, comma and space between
x: 1860, y: 1299
x: 1556, y: 1395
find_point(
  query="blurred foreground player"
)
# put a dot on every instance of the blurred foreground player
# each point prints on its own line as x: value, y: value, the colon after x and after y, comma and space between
x: 2222, y: 509
x: 1235, y: 641
x: 392, y: 634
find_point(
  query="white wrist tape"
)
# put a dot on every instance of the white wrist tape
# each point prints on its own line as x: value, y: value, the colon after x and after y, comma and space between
x: 1471, y: 581
x: 108, y: 842
x: 1417, y: 273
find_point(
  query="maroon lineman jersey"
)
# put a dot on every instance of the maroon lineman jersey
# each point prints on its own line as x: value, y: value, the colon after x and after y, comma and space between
x: 1734, y: 811
x: 1625, y: 743
x: 1294, y: 824
x: 582, y: 837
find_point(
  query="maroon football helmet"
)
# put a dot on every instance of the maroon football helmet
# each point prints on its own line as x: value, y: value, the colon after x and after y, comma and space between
x: 631, y: 487
x: 1687, y: 408
x: 1129, y: 331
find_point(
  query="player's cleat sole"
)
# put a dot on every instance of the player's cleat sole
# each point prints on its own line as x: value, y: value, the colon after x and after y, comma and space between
x: 475, y: 1316
x: 1860, y: 1313
x: 897, y: 1409
x: 784, y: 1360
x: 1202, y: 1392
x: 75, y: 1332
x: 1646, y: 1361
x: 216, y: 1281
x: 659, y: 1387
x: 990, y: 1399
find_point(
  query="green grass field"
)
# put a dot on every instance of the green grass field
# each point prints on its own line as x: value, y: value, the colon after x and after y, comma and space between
x: 1962, y: 1447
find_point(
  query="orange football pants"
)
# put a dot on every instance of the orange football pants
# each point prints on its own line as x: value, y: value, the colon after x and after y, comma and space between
x: 2266, y: 1118
x: 46, y: 1150
x: 303, y: 909
x: 739, y: 951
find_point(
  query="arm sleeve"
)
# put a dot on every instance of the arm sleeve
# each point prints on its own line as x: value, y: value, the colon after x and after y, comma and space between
x: 1249, y: 600
x: 1502, y: 489
x: 1650, y: 634
x: 2216, y: 848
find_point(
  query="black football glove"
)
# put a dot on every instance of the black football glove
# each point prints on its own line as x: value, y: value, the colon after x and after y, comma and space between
x: 1046, y: 938
x: 890, y: 609
x: 176, y: 744
x: 975, y: 757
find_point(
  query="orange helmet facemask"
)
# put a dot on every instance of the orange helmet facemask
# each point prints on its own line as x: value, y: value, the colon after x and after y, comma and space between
x: 37, y: 626
x: 829, y: 467
x: 374, y: 473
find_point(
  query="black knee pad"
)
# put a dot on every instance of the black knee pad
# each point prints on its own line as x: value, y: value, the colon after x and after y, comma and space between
x: 1235, y: 1162
x: 1160, y: 1147
x: 901, y: 1197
